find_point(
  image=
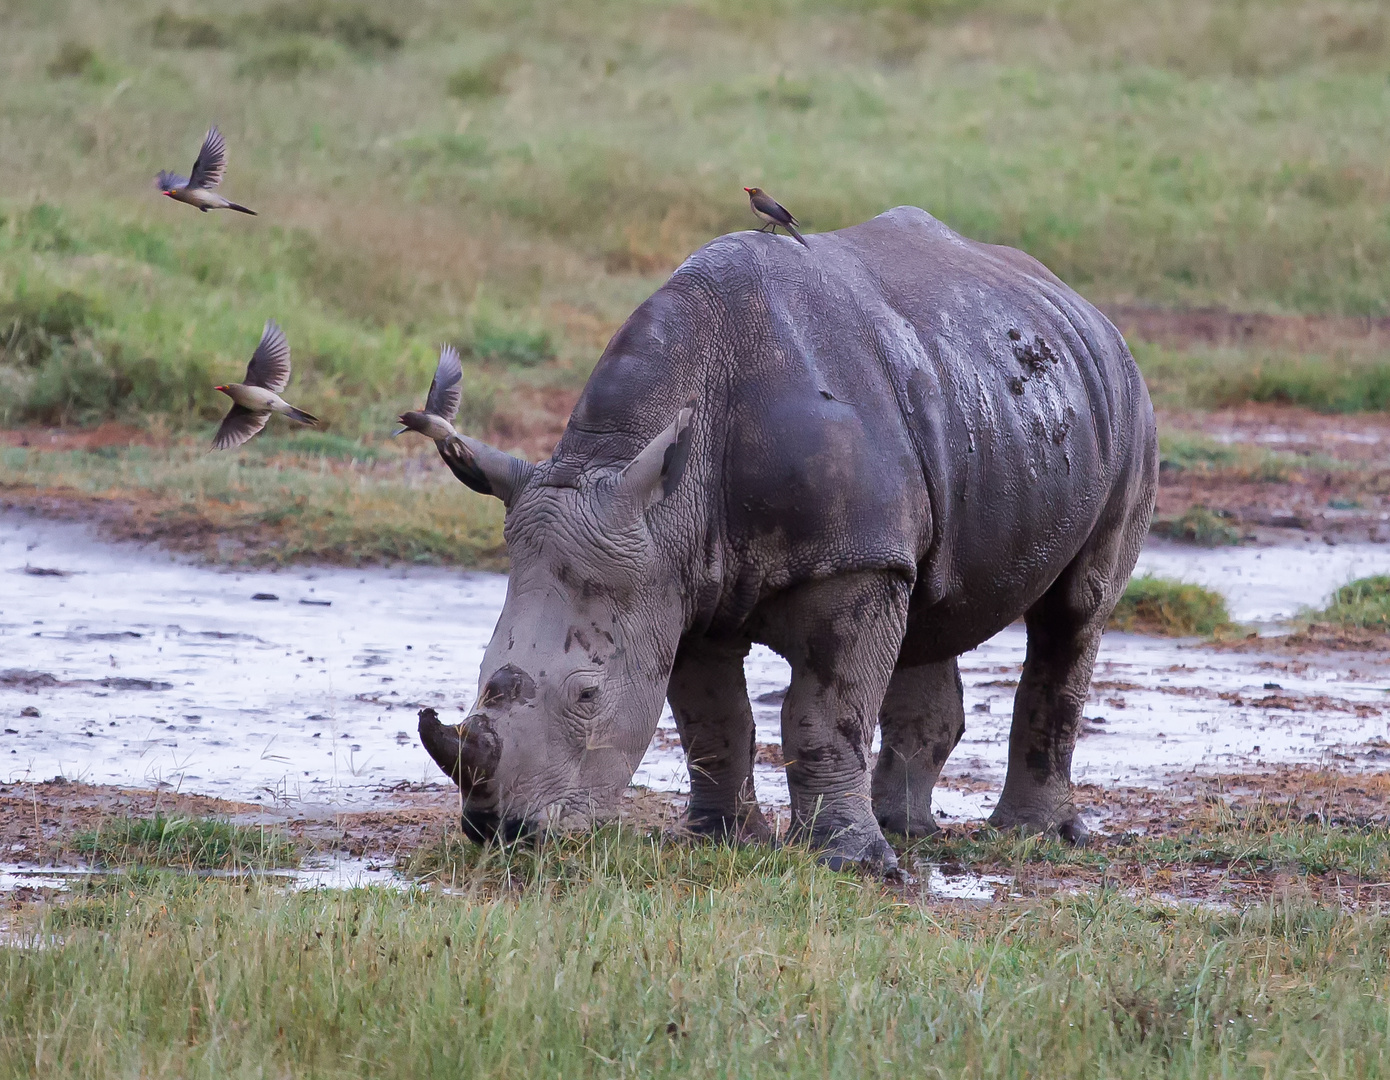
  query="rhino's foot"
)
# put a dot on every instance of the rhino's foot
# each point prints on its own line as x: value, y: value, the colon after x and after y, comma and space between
x: 747, y: 827
x: 911, y: 826
x: 856, y: 848
x: 1064, y: 822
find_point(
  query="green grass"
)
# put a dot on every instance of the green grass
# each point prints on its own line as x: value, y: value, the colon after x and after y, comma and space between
x: 1355, y: 379
x: 187, y: 842
x: 1155, y: 605
x: 1363, y: 604
x: 531, y: 170
x: 653, y: 960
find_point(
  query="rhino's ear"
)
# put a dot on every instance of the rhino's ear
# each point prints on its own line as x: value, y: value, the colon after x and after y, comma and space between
x: 485, y: 468
x: 654, y: 473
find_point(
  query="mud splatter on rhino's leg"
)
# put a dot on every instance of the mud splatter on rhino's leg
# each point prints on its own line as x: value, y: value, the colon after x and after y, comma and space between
x: 841, y: 637
x: 922, y: 719
x: 709, y: 698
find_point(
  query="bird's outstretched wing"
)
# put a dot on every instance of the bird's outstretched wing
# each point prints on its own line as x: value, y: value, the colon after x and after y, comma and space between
x: 211, y: 163
x: 445, y: 390
x: 170, y: 181
x: 237, y: 426
x: 270, y: 363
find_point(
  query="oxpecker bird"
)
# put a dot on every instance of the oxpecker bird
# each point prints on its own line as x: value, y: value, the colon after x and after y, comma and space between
x: 197, y: 190
x: 255, y: 399
x: 436, y: 420
x: 772, y: 213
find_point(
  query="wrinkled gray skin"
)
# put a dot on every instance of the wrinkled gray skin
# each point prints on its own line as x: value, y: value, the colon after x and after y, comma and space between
x: 871, y: 456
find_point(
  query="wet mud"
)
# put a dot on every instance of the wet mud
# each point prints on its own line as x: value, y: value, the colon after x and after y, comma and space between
x: 132, y: 668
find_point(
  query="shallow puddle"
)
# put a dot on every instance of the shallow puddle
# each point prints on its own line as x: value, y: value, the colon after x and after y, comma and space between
x: 123, y: 665
x: 14, y: 877
x: 966, y: 885
x: 316, y: 873
x: 1266, y: 584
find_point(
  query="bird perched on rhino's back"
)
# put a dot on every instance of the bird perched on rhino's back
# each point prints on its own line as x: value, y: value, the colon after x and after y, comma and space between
x: 197, y: 189
x: 436, y: 419
x: 772, y: 213
x: 254, y: 400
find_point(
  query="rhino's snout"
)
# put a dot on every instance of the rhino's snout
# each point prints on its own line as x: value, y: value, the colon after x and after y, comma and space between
x: 468, y: 753
x: 485, y: 826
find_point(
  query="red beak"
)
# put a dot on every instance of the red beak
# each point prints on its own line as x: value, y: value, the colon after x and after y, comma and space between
x: 747, y: 189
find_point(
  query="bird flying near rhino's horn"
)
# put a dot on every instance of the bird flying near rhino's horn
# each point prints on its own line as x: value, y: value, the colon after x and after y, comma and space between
x: 436, y: 419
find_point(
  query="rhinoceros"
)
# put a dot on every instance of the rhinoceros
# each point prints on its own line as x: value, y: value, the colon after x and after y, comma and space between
x: 871, y: 455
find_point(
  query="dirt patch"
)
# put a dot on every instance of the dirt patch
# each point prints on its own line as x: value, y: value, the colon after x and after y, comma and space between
x: 1200, y: 839
x: 40, y: 821
x: 1217, y: 327
x: 100, y: 437
x: 1314, y: 638
x: 1327, y: 476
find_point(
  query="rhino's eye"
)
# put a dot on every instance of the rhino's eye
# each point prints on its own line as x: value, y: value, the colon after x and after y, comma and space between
x: 582, y: 694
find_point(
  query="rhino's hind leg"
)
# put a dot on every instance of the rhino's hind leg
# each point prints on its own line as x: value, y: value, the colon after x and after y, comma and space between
x: 709, y: 698
x: 1056, y: 676
x: 841, y: 637
x: 1064, y: 629
x: 922, y: 720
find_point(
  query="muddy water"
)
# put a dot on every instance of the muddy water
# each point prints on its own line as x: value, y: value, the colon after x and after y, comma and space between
x: 146, y: 670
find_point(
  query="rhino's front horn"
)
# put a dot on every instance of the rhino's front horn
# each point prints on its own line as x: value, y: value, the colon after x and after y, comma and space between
x: 484, y: 468
x: 468, y: 753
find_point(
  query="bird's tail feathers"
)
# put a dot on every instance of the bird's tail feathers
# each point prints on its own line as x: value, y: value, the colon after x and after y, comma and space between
x: 304, y: 417
x: 241, y: 209
x: 796, y: 232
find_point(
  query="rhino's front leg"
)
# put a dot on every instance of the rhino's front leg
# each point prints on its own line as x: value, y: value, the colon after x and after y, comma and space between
x: 841, y: 637
x: 709, y: 698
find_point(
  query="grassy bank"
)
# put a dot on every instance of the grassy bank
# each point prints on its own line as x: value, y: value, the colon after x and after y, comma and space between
x: 267, y: 504
x: 629, y: 959
x: 515, y: 177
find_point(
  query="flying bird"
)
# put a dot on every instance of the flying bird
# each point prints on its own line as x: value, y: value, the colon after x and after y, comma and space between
x: 772, y: 213
x: 197, y: 190
x: 254, y: 400
x: 436, y: 420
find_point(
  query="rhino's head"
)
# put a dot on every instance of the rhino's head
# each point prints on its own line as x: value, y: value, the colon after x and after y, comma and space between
x: 574, y: 678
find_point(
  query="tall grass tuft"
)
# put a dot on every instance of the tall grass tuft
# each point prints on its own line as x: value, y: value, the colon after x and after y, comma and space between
x: 188, y: 842
x: 1362, y: 604
x: 1155, y: 605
